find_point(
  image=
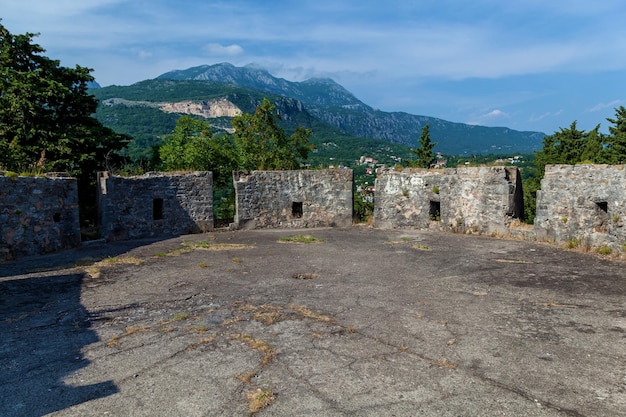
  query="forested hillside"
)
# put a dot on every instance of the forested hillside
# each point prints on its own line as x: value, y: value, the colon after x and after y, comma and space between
x: 339, y: 121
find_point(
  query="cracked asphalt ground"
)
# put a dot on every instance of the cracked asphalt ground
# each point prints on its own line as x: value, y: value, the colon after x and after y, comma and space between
x: 364, y: 323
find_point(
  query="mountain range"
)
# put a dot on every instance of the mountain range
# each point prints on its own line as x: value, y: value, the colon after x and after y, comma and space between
x: 147, y: 110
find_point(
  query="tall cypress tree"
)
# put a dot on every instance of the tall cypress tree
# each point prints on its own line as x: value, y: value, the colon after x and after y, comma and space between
x: 424, y: 152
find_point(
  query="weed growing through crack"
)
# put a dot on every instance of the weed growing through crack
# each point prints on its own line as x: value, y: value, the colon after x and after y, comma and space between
x: 300, y: 239
x: 200, y: 329
x: 573, y: 243
x: 259, y: 399
x: 180, y: 316
x: 203, y: 245
x: 305, y: 312
x: 119, y: 260
x: 444, y: 363
x: 133, y: 329
x: 419, y: 246
x: 246, y: 378
x: 268, y: 318
x: 176, y: 318
x: 201, y: 342
x: 232, y: 321
x: 94, y: 270
x: 259, y: 345
x: 304, y: 276
x: 116, y: 341
x: 214, y: 246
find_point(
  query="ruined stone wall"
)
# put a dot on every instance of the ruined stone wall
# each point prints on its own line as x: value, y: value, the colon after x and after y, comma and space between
x: 155, y: 204
x: 582, y: 205
x: 292, y: 199
x: 37, y: 214
x: 481, y: 200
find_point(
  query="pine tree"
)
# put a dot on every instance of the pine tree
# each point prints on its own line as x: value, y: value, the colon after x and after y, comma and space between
x: 424, y: 153
x: 616, y: 141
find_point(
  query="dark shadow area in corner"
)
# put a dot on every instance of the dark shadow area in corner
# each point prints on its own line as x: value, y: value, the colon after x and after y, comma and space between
x: 44, y: 327
x: 69, y: 258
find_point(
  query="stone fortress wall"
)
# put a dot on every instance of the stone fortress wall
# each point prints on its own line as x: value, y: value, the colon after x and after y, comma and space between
x: 585, y: 204
x: 37, y: 214
x: 293, y: 199
x: 481, y: 200
x: 154, y: 204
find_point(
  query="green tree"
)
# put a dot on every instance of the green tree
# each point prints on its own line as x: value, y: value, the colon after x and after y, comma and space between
x: 262, y: 144
x: 46, y: 117
x: 593, y: 150
x: 563, y: 147
x: 424, y: 152
x: 192, y: 146
x: 616, y: 142
x: 45, y: 112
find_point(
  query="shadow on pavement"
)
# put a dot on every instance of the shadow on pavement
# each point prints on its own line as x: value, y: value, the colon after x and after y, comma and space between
x: 69, y: 258
x: 44, y: 327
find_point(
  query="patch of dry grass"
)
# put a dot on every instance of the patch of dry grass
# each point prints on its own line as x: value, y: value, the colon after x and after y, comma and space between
x: 116, y: 341
x: 444, y: 363
x: 232, y: 321
x: 268, y: 314
x: 305, y: 276
x: 259, y: 345
x: 246, y: 378
x: 268, y: 317
x: 512, y: 261
x: 203, y: 245
x: 259, y: 399
x: 306, y: 312
x: 176, y: 318
x: 300, y: 239
x: 201, y: 342
x: 215, y: 246
x: 93, y: 269
x: 244, y: 307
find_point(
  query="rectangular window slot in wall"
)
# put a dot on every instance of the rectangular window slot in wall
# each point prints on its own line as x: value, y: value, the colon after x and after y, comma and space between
x: 602, y: 210
x: 296, y: 209
x: 157, y: 209
x: 434, y: 212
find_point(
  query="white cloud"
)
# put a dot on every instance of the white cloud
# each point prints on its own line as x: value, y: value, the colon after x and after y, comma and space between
x: 603, y: 106
x: 545, y: 115
x: 220, y: 50
x: 493, y: 117
x: 144, y: 54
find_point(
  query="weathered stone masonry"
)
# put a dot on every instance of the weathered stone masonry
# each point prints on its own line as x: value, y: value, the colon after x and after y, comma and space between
x: 38, y: 214
x: 583, y: 204
x: 155, y: 204
x: 482, y: 200
x: 291, y: 199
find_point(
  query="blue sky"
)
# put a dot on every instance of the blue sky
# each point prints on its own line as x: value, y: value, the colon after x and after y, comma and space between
x: 524, y: 64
